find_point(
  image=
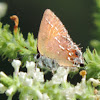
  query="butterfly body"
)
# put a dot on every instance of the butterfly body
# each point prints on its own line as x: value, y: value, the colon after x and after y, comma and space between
x: 55, y: 43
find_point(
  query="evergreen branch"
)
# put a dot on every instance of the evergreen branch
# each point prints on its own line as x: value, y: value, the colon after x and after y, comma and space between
x: 92, y: 60
x: 12, y: 46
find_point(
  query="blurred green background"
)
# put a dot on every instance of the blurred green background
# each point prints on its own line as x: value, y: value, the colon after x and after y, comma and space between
x: 76, y: 15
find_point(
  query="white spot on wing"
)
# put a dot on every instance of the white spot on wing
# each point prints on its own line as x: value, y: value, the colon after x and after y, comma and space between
x: 70, y: 54
x: 60, y: 23
x: 68, y: 39
x: 61, y: 47
x: 56, y: 28
x: 57, y: 39
x: 64, y: 36
x: 69, y: 58
x: 64, y: 30
x: 49, y: 22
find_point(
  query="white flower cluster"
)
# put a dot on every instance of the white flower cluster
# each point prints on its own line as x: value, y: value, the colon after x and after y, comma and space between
x: 32, y: 83
x: 79, y: 89
x: 28, y: 78
x: 32, y: 73
x: 61, y: 75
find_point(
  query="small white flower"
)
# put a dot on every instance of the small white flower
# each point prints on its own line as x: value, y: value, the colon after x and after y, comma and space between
x: 2, y: 74
x: 83, y: 82
x: 2, y: 88
x: 10, y: 90
x: 30, y: 67
x: 28, y: 82
x: 70, y: 93
x: 27, y: 97
x: 95, y: 82
x: 38, y: 76
x: 61, y: 71
x: 22, y: 76
x: 45, y: 97
x: 3, y: 9
x: 42, y: 96
x: 60, y: 76
x: 79, y: 89
x: 16, y: 64
x: 37, y: 70
x: 39, y: 94
x: 56, y: 79
x: 24, y: 79
x: 34, y: 72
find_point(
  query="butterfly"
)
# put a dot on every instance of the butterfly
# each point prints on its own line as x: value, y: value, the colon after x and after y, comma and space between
x: 55, y: 43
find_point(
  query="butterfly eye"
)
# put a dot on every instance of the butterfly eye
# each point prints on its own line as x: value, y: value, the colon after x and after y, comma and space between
x: 77, y: 53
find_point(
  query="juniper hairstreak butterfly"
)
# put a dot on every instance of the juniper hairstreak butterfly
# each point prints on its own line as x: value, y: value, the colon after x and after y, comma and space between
x: 54, y: 42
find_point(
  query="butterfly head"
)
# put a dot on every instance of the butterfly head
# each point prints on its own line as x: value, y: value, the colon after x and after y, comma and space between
x: 75, y: 56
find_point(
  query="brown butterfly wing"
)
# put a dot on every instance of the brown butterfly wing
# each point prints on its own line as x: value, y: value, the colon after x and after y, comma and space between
x: 53, y: 39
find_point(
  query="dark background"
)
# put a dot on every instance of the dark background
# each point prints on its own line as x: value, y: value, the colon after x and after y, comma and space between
x: 76, y: 15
